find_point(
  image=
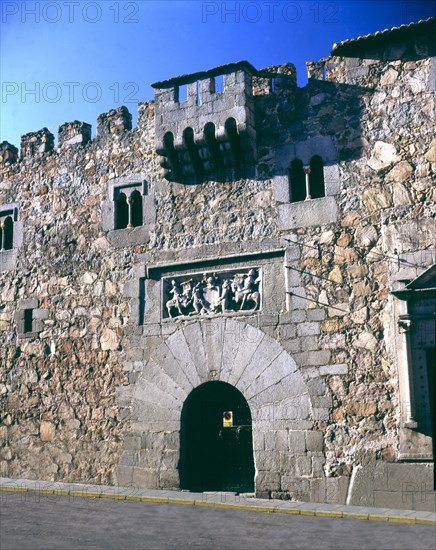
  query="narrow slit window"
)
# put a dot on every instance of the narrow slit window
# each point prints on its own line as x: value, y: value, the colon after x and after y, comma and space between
x: 8, y: 234
x: 28, y: 320
x: 219, y: 84
x: 198, y: 93
x: 182, y: 93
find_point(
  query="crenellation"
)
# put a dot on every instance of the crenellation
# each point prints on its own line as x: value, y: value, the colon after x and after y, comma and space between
x: 114, y: 122
x: 36, y: 143
x: 262, y: 248
x: 72, y: 133
x: 8, y: 153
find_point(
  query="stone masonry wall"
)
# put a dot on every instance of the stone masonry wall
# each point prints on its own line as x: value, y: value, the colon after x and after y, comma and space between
x: 67, y: 394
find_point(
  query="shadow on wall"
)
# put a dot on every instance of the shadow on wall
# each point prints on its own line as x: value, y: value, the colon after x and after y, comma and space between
x: 281, y: 116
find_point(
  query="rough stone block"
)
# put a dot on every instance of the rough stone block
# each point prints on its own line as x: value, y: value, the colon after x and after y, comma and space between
x: 309, y: 343
x: 28, y: 303
x: 316, y: 358
x: 315, y: 314
x: 304, y: 466
x: 152, y: 329
x: 291, y: 346
x: 316, y: 386
x: 340, y: 368
x: 320, y: 413
x: 169, y: 478
x: 308, y: 329
x: 314, y: 441
x: 415, y: 476
x: 318, y: 466
x: 281, y: 188
x: 146, y: 478
x: 267, y: 481
x: 297, y: 299
x: 296, y: 441
x: 124, y: 476
x: 332, y: 181
x: 131, y: 289
x: 266, y: 460
x: 330, y: 490
x: 322, y: 401
x: 276, y: 441
x: 308, y: 213
x: 268, y: 320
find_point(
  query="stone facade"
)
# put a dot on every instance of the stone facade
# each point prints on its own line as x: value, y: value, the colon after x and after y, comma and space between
x: 296, y: 303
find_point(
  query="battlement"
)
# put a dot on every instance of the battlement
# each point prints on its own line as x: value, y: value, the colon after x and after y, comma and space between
x: 35, y: 143
x: 8, y: 152
x: 212, y: 130
x: 72, y: 133
x: 115, y: 121
x: 203, y: 136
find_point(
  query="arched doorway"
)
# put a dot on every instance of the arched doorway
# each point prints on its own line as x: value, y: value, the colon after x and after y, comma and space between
x: 216, y: 446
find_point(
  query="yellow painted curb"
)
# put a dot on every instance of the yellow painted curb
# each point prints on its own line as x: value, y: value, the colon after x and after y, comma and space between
x: 425, y: 521
x: 376, y: 517
x: 351, y: 515
x: 211, y: 504
x: 227, y: 505
x: 157, y: 500
x: 328, y: 514
x: 307, y: 512
x: 180, y: 501
x: 290, y: 511
x: 401, y: 520
x: 78, y: 494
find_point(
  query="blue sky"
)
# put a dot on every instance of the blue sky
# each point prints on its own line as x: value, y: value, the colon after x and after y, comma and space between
x: 65, y: 60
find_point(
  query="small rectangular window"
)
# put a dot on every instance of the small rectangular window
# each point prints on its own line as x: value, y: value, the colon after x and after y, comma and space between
x: 28, y: 320
x: 219, y: 84
x: 182, y: 93
x: 198, y: 93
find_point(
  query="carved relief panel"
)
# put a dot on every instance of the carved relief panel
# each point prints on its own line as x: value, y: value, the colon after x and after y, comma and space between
x: 209, y: 293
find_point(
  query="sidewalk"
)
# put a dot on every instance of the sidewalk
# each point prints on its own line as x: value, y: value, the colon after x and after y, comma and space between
x: 215, y: 500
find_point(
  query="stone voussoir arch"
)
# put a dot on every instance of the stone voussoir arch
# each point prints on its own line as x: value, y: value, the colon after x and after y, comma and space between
x: 225, y: 350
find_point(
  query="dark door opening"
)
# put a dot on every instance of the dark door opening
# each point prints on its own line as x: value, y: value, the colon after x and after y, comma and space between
x: 216, y: 449
x: 431, y: 377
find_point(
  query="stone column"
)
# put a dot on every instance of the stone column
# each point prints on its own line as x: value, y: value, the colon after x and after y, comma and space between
x: 307, y: 172
x: 2, y: 236
x: 405, y: 325
x: 129, y: 205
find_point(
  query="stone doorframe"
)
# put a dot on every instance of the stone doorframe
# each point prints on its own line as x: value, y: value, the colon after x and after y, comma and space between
x: 229, y: 351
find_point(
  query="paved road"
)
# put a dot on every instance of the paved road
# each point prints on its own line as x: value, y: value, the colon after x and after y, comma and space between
x: 35, y: 521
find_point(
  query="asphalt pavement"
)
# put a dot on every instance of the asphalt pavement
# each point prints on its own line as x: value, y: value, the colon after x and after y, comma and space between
x: 40, y: 515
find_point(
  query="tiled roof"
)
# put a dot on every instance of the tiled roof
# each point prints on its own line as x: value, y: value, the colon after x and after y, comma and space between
x: 403, y: 32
